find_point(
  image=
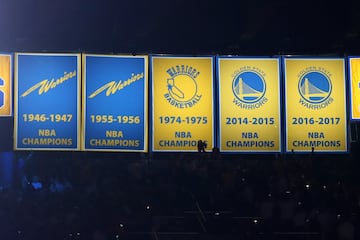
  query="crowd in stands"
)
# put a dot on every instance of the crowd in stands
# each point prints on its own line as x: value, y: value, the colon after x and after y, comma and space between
x: 188, y: 196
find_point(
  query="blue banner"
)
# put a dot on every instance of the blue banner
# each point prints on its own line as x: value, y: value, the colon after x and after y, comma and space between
x: 47, y: 101
x: 115, y: 103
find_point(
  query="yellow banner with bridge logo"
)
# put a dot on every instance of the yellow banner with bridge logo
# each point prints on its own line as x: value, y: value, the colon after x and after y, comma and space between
x: 315, y: 102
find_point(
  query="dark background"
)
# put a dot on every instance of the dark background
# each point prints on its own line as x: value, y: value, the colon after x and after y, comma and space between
x: 108, y: 197
x: 243, y: 27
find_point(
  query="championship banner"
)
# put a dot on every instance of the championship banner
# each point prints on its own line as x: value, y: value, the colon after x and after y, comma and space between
x: 182, y: 98
x: 249, y: 104
x: 47, y: 101
x: 5, y: 84
x: 115, y: 103
x: 354, y: 65
x: 315, y: 105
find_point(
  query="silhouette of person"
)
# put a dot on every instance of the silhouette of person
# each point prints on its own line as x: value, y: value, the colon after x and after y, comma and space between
x: 201, y: 146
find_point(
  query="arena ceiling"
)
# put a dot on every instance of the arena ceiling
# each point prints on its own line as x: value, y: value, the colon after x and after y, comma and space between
x: 244, y: 27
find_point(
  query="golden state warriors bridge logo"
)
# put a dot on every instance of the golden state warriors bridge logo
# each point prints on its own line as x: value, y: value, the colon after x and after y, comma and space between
x: 315, y: 89
x: 249, y: 88
x: 182, y: 87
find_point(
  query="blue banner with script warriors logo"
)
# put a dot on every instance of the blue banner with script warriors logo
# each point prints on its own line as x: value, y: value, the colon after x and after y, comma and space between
x: 47, y: 101
x: 115, y: 103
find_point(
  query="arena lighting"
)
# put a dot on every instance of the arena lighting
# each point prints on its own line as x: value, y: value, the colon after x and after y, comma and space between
x: 36, y: 185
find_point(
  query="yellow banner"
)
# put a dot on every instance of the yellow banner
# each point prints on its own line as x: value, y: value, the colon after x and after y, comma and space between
x: 182, y: 94
x: 249, y: 105
x: 355, y: 87
x: 315, y: 105
x: 5, y: 85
